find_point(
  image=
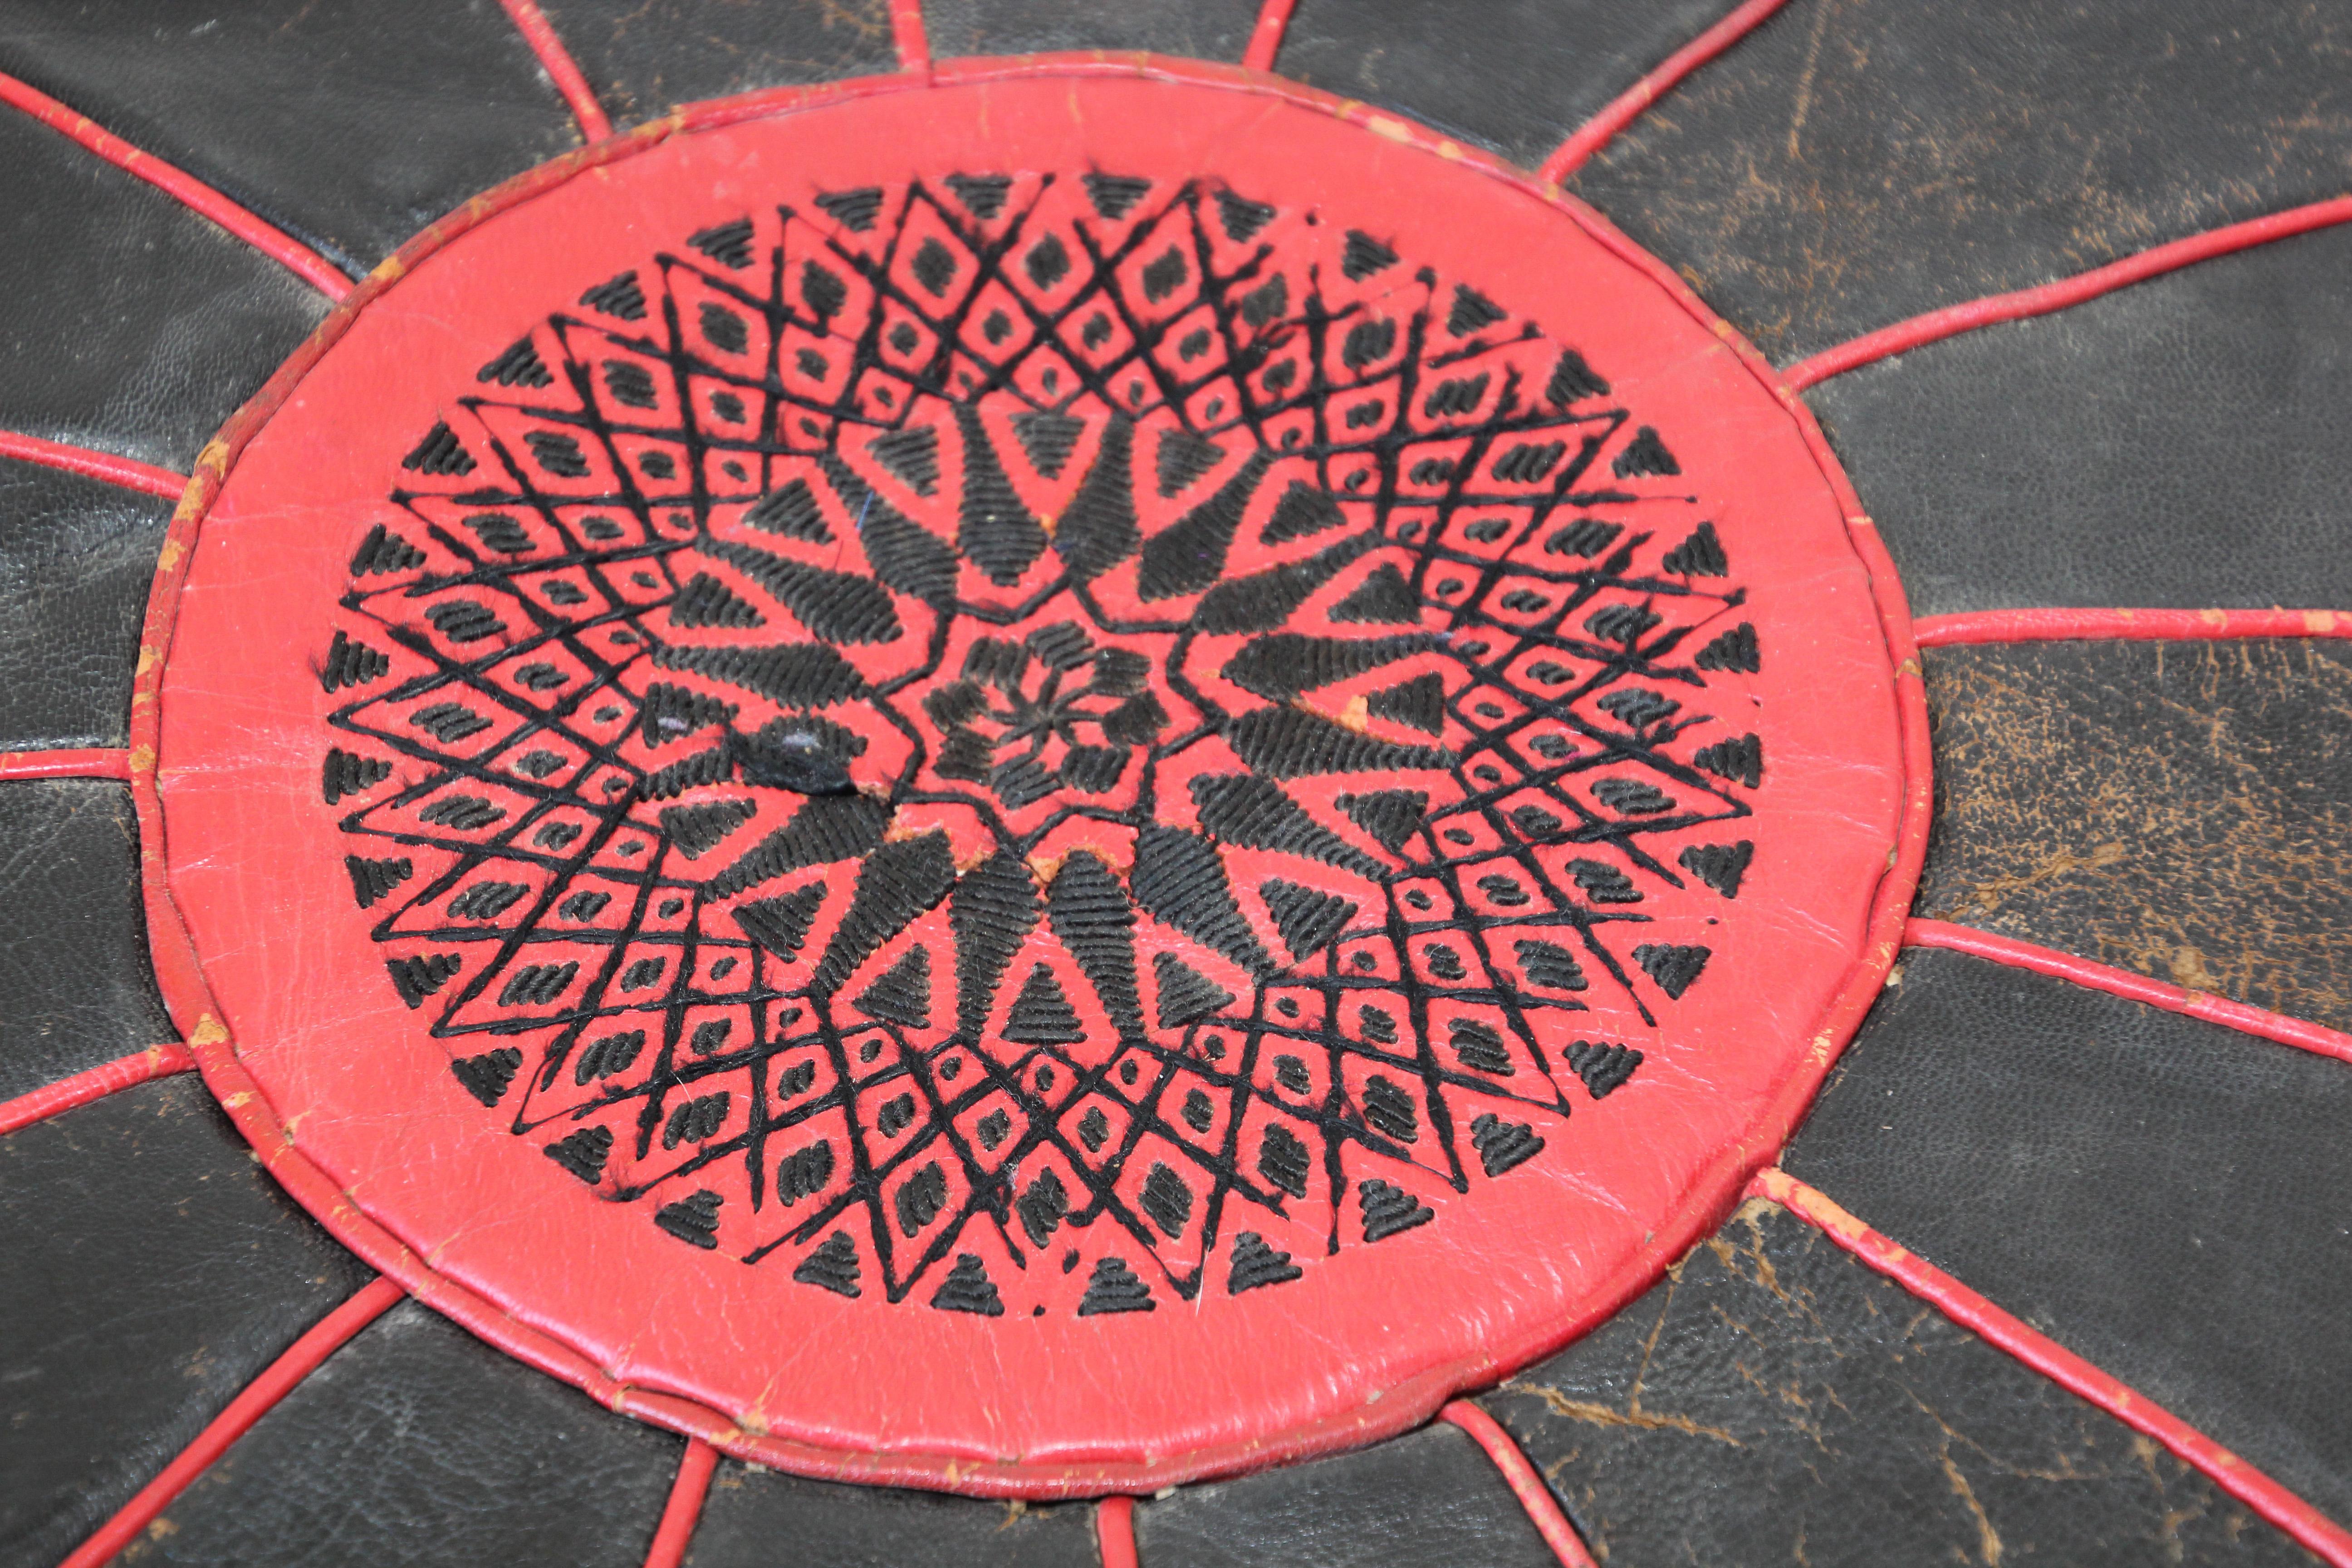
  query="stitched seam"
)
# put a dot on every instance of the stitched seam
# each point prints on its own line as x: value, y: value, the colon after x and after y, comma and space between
x: 684, y: 1509
x: 94, y: 465
x: 83, y: 1088
x: 91, y: 762
x: 2056, y: 625
x: 1266, y: 37
x: 562, y: 70
x: 1543, y: 1510
x: 1628, y: 106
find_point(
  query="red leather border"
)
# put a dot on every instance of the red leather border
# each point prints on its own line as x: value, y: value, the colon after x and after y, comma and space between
x: 2127, y: 625
x: 1713, y: 1192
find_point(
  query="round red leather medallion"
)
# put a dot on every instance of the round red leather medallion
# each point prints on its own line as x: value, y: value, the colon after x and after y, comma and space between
x: 1033, y: 786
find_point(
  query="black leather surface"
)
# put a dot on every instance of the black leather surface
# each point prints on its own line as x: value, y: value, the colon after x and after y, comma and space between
x: 348, y: 124
x: 758, y: 1519
x: 642, y: 57
x: 74, y: 986
x: 75, y: 559
x: 1204, y: 29
x: 2184, y: 442
x: 416, y: 1443
x: 1426, y: 1499
x: 1517, y: 76
x: 2164, y: 1198
x: 1856, y: 161
x: 2180, y: 809
x: 148, y: 1271
x: 127, y: 322
x: 1774, y: 1401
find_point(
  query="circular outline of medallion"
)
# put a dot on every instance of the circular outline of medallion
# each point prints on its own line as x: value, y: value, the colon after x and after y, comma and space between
x: 1361, y: 721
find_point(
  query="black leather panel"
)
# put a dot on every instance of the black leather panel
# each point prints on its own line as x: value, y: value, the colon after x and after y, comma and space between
x: 127, y: 322
x: 2163, y: 1197
x: 416, y: 1443
x: 1855, y: 162
x: 2180, y: 809
x: 75, y: 557
x: 1204, y: 29
x: 148, y: 1271
x: 642, y: 57
x: 758, y: 1519
x: 76, y: 988
x: 1427, y: 1499
x: 1775, y: 1402
x: 2185, y: 442
x: 350, y: 124
x: 1517, y: 76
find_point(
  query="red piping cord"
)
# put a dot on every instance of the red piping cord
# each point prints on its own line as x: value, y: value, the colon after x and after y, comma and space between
x: 1266, y: 39
x: 90, y: 465
x: 684, y: 1506
x: 1543, y: 1510
x: 561, y: 68
x: 1623, y: 111
x: 2166, y: 626
x: 914, y: 43
x: 1115, y: 1531
x: 275, y: 1381
x: 123, y: 1072
x: 1954, y: 319
x: 97, y: 762
x: 275, y: 243
x: 2264, y: 1496
x: 2123, y: 983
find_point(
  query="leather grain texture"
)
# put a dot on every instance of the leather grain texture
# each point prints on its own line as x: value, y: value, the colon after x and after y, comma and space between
x: 1423, y: 1500
x: 1775, y: 1401
x: 1516, y: 76
x: 2185, y: 442
x: 75, y: 559
x: 127, y: 322
x: 2180, y: 809
x: 2163, y: 1197
x: 75, y: 987
x: 1856, y: 161
x: 1204, y: 29
x: 644, y: 56
x: 348, y: 124
x: 148, y: 1271
x: 416, y: 1443
x: 759, y: 1519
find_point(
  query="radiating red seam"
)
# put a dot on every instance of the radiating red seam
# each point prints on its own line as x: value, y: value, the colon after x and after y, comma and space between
x: 1543, y: 1510
x: 275, y: 243
x: 1115, y: 1531
x: 1954, y: 319
x: 1266, y: 39
x: 684, y: 1509
x: 2204, y: 1004
x: 907, y: 31
x: 2048, y: 626
x: 561, y: 68
x: 2318, y: 1533
x: 123, y: 1072
x: 90, y: 465
x: 1623, y: 111
x: 275, y: 1381
x: 93, y: 763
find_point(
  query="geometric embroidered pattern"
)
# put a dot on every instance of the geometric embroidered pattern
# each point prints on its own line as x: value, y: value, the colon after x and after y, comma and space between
x: 1040, y: 723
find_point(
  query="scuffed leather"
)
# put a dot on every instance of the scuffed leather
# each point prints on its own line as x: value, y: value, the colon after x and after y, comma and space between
x: 1205, y: 29
x: 75, y: 559
x: 749, y: 1512
x: 642, y: 57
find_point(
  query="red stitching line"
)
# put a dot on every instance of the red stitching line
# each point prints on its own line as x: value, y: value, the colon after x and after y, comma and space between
x: 2061, y: 1365
x: 561, y: 68
x: 256, y: 1400
x: 2123, y: 983
x: 907, y: 31
x: 96, y: 763
x: 123, y: 1072
x: 92, y: 464
x: 1266, y: 39
x: 1543, y: 1510
x: 684, y: 1510
x: 2040, y: 300
x: 1115, y: 1531
x: 1626, y: 107
x: 2049, y: 626
x: 273, y: 242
